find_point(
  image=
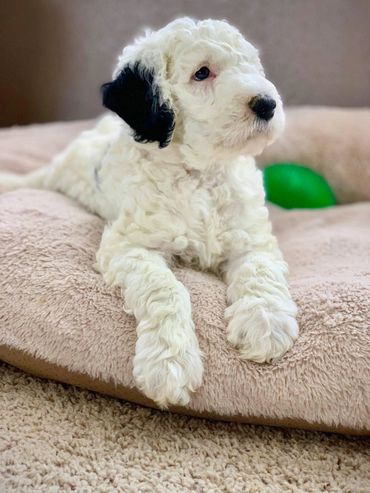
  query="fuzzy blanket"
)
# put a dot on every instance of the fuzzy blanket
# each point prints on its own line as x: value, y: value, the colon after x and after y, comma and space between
x: 59, y: 320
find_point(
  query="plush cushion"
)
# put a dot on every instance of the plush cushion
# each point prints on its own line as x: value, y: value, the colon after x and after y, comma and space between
x: 58, y: 319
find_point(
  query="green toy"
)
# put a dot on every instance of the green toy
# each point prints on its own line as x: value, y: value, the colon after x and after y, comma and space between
x: 293, y: 186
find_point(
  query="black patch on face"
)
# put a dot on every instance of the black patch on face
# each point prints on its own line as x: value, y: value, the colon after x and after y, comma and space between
x: 136, y: 98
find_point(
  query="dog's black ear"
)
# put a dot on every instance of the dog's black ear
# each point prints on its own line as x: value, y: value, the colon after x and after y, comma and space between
x: 136, y: 98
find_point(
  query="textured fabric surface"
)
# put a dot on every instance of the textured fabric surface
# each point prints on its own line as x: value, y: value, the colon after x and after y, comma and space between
x: 57, y: 438
x: 54, y: 306
x: 26, y: 148
x: 57, y: 308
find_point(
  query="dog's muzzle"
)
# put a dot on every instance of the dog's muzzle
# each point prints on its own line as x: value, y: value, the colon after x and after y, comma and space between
x: 263, y: 107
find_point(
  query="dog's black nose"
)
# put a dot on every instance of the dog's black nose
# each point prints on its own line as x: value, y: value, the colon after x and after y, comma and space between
x: 263, y: 107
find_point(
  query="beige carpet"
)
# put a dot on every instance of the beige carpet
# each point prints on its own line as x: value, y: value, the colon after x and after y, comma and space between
x: 57, y: 438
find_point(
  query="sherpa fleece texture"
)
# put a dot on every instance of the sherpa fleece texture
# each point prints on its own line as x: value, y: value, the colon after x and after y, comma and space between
x: 55, y: 309
x: 56, y: 438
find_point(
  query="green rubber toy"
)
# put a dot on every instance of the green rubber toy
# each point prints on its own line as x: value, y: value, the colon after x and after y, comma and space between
x: 293, y: 186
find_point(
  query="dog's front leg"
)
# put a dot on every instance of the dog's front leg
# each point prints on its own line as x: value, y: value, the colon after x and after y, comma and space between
x: 261, y: 315
x: 167, y: 363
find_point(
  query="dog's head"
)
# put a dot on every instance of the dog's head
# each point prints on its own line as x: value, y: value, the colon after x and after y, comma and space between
x: 198, y: 83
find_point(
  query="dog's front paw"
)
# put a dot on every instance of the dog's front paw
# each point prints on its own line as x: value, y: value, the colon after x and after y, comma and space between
x: 261, y: 332
x: 167, y: 374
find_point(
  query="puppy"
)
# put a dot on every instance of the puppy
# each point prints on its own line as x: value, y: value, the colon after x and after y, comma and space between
x: 172, y: 172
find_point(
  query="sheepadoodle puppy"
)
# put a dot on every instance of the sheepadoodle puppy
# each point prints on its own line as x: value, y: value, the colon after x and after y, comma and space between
x: 172, y: 172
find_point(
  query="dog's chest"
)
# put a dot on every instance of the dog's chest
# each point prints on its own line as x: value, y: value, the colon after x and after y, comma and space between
x: 201, y: 223
x: 208, y: 214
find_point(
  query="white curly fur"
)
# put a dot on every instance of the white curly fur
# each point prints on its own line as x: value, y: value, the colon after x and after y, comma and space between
x: 201, y: 198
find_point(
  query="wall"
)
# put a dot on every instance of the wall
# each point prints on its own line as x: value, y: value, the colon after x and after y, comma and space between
x: 54, y: 54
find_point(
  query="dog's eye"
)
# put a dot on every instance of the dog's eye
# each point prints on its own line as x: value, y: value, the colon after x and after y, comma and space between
x: 202, y: 74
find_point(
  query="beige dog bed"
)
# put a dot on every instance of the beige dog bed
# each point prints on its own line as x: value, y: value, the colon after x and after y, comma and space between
x: 59, y: 319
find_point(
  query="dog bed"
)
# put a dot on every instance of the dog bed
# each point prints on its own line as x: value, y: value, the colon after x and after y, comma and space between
x: 59, y: 320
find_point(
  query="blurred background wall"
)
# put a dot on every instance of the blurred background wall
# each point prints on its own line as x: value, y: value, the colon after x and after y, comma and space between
x: 54, y: 54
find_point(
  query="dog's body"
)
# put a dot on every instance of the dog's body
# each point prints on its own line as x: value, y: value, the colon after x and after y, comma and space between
x: 195, y: 196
